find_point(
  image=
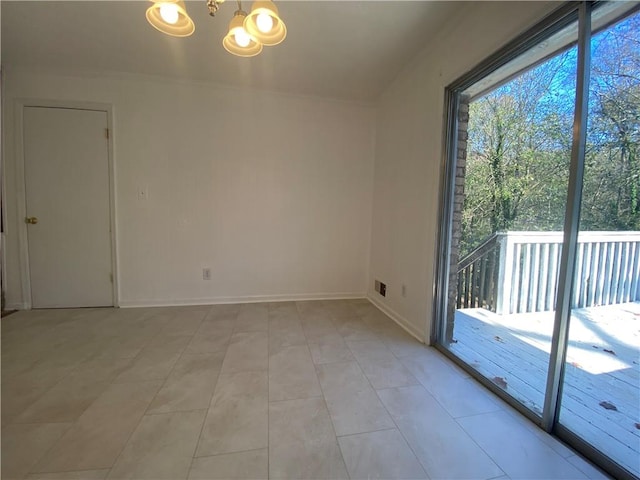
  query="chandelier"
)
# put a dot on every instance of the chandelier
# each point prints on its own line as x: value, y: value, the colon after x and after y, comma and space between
x: 248, y: 32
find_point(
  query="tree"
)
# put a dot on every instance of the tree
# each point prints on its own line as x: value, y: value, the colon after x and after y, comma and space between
x: 520, y: 144
x: 518, y: 154
x: 611, y: 194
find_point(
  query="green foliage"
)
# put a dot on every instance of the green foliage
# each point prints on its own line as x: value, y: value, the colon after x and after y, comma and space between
x: 612, y: 176
x: 520, y: 137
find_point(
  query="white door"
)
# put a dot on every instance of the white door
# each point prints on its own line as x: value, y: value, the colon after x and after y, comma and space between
x: 66, y: 164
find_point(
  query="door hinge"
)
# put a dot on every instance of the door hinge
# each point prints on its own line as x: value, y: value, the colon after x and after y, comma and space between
x: 106, y: 133
x: 111, y: 277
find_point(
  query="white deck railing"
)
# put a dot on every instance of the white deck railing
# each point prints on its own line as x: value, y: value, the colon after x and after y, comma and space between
x: 517, y: 272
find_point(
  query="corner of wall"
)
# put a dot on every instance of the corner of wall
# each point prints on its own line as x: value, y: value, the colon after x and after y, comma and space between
x: 399, y: 319
x: 409, y: 126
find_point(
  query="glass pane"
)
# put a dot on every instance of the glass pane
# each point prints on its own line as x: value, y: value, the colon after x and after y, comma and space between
x: 601, y: 392
x: 511, y: 186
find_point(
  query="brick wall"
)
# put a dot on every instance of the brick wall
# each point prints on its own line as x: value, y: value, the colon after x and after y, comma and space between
x: 458, y: 203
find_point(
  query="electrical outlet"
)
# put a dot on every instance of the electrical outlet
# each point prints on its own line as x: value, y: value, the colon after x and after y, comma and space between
x: 206, y: 273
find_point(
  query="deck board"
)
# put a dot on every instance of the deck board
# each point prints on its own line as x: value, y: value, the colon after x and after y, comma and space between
x: 516, y: 348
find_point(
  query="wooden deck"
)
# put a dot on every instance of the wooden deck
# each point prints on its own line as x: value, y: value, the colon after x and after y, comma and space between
x: 603, y: 366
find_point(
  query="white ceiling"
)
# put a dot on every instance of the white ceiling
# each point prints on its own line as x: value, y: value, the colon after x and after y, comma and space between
x: 343, y: 49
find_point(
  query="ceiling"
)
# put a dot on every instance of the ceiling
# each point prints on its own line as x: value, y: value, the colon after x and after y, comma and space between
x: 344, y: 49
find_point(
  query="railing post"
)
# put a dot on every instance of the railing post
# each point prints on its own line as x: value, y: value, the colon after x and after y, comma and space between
x: 505, y: 273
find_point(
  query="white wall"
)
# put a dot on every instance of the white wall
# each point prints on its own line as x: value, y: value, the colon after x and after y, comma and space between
x: 408, y: 154
x: 272, y: 192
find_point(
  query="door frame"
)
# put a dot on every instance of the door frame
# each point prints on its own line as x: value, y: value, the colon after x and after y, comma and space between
x: 21, y: 198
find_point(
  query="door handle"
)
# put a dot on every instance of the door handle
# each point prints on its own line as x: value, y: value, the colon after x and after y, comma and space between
x: 31, y: 220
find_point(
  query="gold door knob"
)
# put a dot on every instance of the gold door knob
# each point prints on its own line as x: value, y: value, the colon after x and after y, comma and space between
x: 31, y: 220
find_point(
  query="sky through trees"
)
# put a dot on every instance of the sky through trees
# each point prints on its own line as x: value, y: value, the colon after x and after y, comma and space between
x: 519, y: 144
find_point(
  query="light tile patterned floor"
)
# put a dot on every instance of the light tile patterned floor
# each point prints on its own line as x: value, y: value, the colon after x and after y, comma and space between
x: 326, y: 389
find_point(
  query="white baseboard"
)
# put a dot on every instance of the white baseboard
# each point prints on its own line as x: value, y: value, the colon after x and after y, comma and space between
x: 241, y: 299
x: 399, y: 319
x: 16, y: 306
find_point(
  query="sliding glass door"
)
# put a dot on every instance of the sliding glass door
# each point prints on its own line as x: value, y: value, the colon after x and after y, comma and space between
x: 538, y: 283
x: 512, y: 196
x: 601, y: 389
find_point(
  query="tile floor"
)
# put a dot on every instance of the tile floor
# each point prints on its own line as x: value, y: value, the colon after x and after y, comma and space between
x: 326, y: 389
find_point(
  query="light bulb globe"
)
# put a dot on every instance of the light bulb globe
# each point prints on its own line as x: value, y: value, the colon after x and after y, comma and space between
x: 242, y: 38
x: 239, y: 41
x: 169, y: 13
x: 264, y: 22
